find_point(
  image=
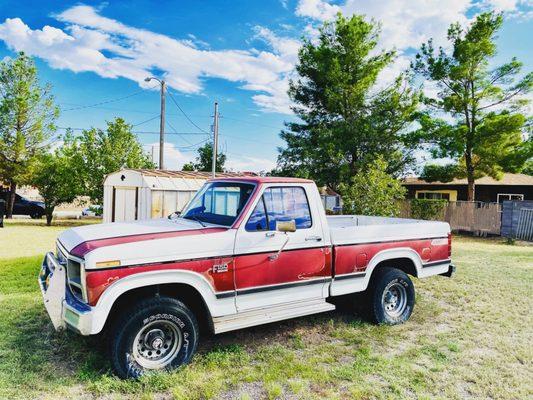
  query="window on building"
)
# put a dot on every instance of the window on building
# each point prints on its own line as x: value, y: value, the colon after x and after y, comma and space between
x: 433, y: 195
x: 280, y: 204
x: 509, y: 196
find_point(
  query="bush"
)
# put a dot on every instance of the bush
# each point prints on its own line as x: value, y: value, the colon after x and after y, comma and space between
x: 373, y: 192
x: 427, y: 209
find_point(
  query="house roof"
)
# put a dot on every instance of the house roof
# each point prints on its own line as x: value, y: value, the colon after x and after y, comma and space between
x: 507, y: 180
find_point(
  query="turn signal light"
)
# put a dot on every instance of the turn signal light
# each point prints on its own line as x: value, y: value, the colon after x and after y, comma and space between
x: 108, y: 264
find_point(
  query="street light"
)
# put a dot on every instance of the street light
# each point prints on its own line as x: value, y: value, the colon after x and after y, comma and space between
x: 162, y: 118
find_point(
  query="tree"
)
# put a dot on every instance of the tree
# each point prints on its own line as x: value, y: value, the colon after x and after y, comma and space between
x: 27, y: 114
x: 347, y: 120
x: 528, y: 168
x: 373, y: 192
x: 485, y: 137
x: 96, y: 153
x: 55, y: 178
x: 204, y: 160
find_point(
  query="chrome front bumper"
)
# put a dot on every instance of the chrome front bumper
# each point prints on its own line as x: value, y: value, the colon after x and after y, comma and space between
x: 63, y: 308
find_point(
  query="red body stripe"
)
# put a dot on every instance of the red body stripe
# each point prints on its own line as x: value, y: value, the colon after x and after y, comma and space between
x: 98, y: 281
x: 85, y: 247
x: 355, y: 258
x: 252, y: 270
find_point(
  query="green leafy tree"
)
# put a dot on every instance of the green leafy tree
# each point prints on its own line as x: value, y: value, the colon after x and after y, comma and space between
x: 485, y: 137
x: 373, y: 192
x: 27, y: 114
x: 346, y: 120
x: 204, y: 160
x: 97, y: 153
x: 55, y: 177
x: 528, y: 167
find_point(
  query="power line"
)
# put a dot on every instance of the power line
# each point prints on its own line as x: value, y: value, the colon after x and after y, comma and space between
x: 134, y: 111
x: 148, y: 120
x: 136, y: 132
x: 250, y: 122
x: 183, y: 112
x: 108, y: 101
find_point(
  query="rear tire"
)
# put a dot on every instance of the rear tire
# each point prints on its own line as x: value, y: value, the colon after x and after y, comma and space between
x: 160, y: 333
x: 391, y: 297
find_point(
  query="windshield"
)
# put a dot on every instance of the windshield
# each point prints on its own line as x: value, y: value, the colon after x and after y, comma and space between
x: 218, y: 203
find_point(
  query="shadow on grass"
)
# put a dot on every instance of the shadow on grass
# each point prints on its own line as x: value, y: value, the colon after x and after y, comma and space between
x: 48, y: 359
x: 55, y: 222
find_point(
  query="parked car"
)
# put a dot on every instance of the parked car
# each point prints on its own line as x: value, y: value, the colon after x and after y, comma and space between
x: 23, y: 206
x: 245, y: 251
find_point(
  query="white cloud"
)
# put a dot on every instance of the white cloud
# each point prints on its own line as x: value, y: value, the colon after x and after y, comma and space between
x: 91, y: 42
x: 405, y: 24
x: 245, y: 163
x: 174, y: 158
x: 317, y: 9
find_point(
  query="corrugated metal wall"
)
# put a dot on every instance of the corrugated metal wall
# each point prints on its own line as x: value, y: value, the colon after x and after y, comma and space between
x: 517, y: 220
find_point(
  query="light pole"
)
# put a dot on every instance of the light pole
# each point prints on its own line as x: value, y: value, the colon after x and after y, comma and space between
x: 161, y: 120
x: 215, y: 141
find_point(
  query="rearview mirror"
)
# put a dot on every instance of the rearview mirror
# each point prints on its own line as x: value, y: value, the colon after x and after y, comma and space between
x: 286, y: 226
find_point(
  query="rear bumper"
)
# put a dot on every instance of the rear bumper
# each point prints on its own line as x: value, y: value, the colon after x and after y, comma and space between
x: 450, y: 272
x: 64, y: 309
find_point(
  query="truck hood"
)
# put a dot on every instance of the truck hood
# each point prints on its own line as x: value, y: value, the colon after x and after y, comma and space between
x: 80, y: 240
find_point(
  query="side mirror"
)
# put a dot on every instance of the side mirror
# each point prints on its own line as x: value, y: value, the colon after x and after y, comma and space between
x: 175, y: 215
x: 286, y: 226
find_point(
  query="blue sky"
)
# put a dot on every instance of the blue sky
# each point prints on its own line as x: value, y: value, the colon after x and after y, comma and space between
x: 239, y: 53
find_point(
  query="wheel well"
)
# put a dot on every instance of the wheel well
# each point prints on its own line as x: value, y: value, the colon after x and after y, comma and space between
x: 183, y: 292
x: 404, y: 264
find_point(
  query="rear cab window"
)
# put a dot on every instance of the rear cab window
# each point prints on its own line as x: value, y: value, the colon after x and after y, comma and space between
x: 280, y: 204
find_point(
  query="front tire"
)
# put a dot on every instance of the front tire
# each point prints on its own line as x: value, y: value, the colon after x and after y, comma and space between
x: 158, y: 334
x: 391, y: 297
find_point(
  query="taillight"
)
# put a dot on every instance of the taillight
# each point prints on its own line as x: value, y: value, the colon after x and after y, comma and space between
x: 449, y: 245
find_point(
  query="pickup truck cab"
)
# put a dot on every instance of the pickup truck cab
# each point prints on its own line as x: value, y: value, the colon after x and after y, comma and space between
x: 245, y: 251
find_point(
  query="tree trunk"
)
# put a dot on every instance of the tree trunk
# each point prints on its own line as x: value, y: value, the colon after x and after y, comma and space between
x: 471, y: 191
x: 49, y: 214
x: 11, y: 199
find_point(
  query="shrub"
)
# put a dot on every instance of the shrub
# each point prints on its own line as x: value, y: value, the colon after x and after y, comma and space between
x: 373, y: 192
x: 428, y: 209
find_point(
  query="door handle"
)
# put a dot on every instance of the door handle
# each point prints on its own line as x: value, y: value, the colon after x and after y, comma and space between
x: 315, y: 238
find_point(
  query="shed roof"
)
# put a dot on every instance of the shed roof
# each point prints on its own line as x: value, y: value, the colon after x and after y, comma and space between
x: 507, y: 180
x: 185, y: 174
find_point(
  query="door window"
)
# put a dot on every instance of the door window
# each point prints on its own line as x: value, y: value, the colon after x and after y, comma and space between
x: 280, y: 204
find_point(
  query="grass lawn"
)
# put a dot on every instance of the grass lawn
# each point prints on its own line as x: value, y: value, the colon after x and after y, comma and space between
x: 469, y: 337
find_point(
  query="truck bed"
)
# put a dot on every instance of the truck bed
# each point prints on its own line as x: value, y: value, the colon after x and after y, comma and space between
x: 351, y: 229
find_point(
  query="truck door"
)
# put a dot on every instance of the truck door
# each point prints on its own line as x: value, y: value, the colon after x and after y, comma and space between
x: 263, y: 275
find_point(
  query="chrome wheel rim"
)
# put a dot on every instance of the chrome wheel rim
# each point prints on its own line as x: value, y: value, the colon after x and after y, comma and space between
x: 394, y: 299
x: 157, y: 344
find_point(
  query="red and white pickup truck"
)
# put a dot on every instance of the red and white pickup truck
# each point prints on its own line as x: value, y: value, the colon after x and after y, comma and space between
x: 244, y: 252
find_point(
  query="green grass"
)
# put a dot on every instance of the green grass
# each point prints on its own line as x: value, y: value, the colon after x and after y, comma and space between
x: 469, y: 337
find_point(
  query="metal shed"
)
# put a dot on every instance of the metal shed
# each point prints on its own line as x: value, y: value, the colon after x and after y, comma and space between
x: 132, y: 194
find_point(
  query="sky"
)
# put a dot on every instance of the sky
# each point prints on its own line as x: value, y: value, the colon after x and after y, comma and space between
x: 241, y: 54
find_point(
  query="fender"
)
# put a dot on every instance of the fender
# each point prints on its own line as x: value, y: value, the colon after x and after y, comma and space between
x: 359, y: 282
x: 216, y: 307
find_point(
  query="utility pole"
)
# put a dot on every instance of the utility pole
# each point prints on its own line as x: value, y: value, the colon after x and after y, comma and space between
x: 162, y: 127
x: 161, y: 120
x: 215, y: 139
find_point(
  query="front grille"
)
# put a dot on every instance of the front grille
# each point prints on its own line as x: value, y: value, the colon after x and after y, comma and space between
x: 75, y: 274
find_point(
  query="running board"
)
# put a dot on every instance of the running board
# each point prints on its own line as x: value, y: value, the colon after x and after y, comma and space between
x: 270, y: 314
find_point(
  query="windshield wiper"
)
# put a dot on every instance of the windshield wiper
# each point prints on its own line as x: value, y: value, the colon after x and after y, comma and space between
x: 193, y: 216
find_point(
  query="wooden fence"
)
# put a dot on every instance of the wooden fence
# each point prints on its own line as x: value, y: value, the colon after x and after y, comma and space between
x: 470, y: 216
